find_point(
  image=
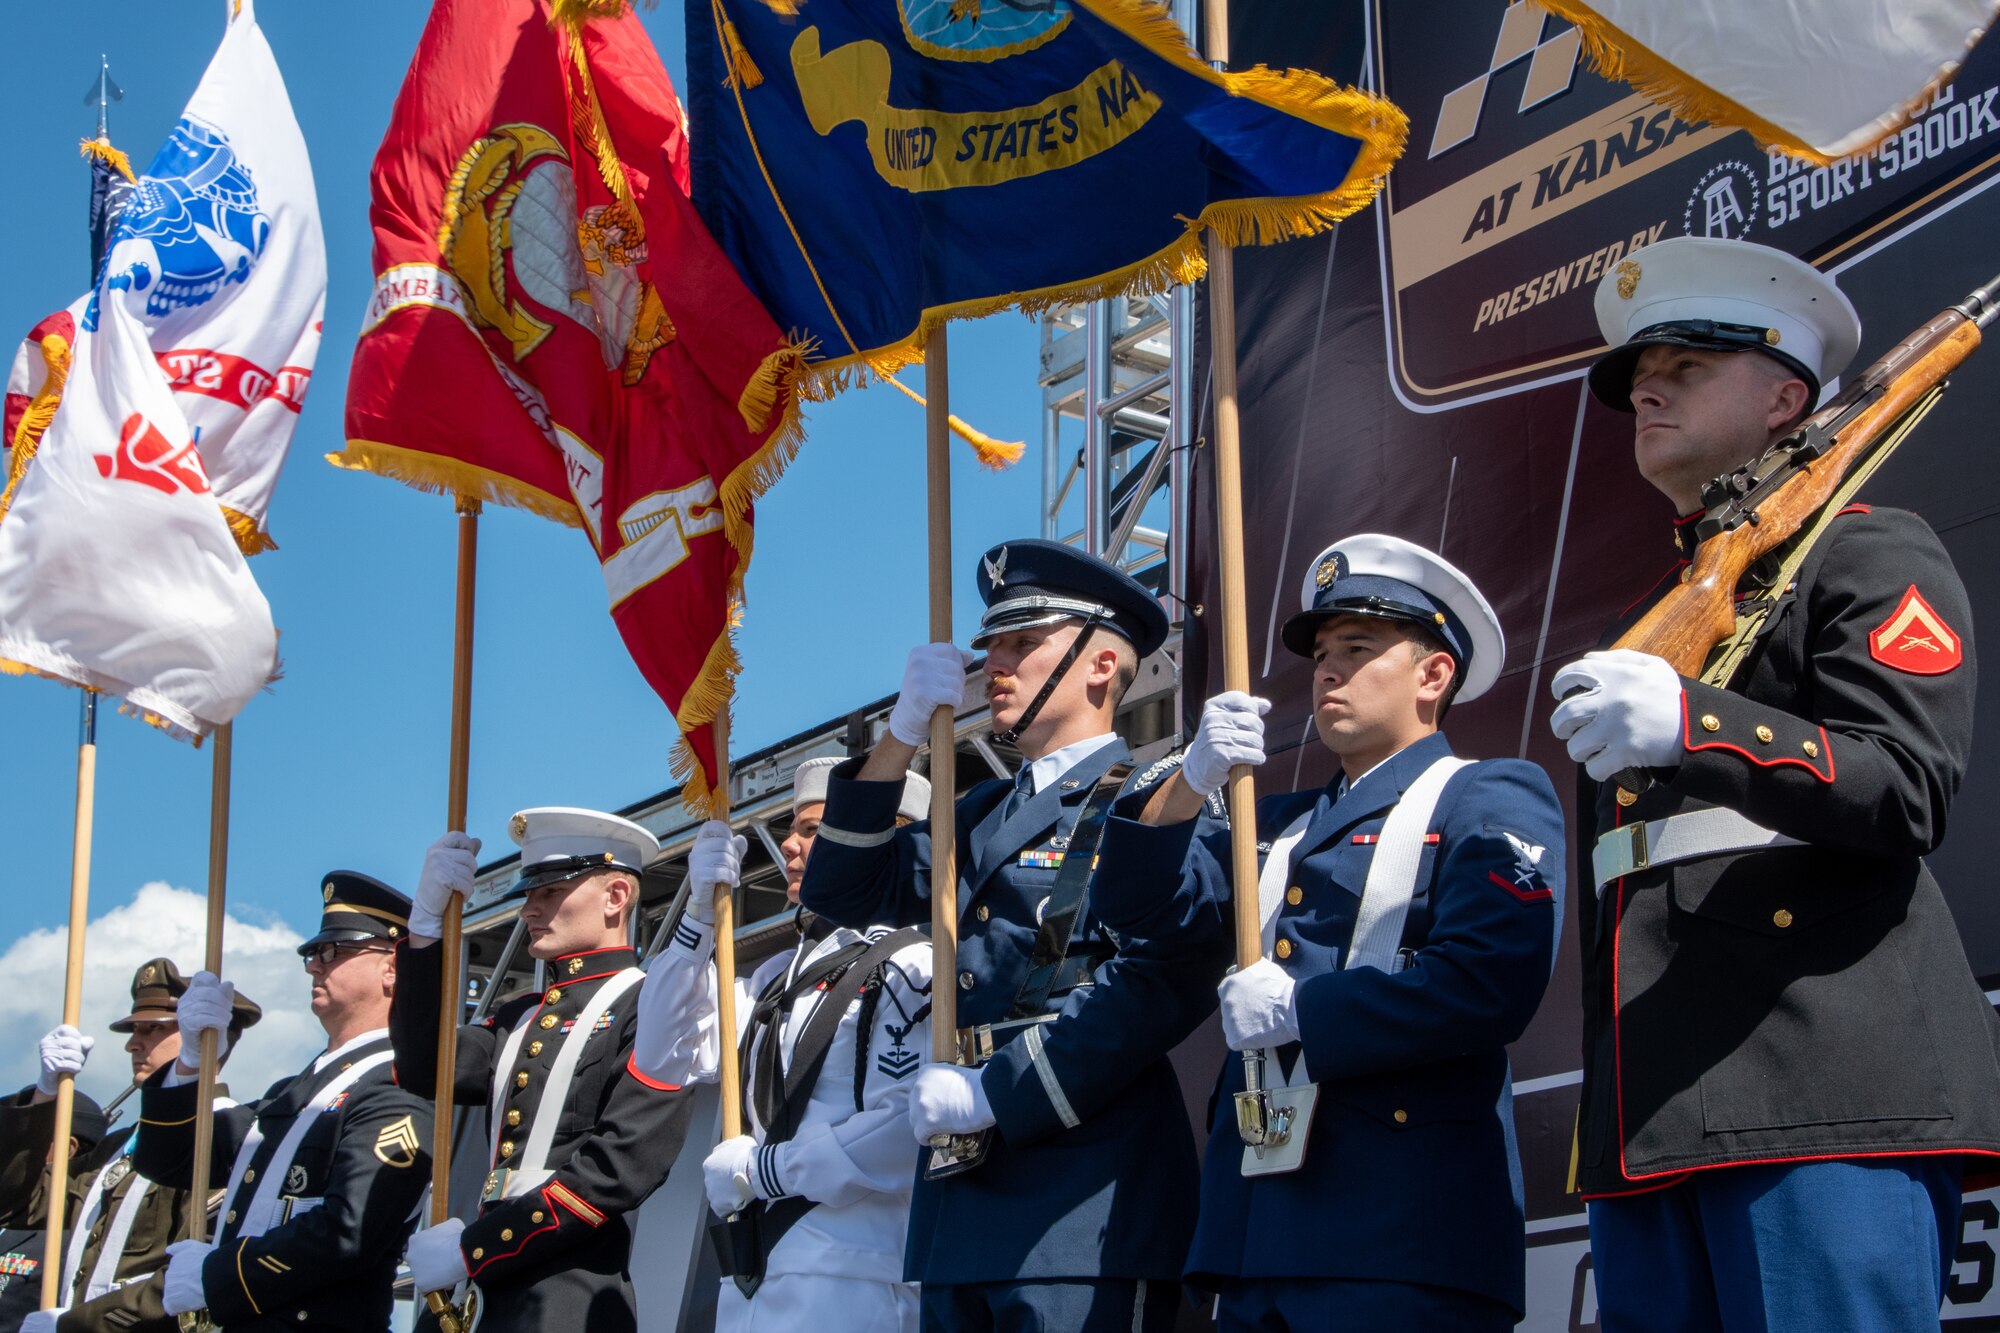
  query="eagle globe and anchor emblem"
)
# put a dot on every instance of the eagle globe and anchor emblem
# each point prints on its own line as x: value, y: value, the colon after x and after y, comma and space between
x: 981, y: 30
x: 189, y: 228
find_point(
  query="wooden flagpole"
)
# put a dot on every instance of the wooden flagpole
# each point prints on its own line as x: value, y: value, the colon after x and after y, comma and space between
x: 79, y: 918
x: 731, y: 1069
x: 218, y: 877
x: 944, y: 741
x: 452, y: 993
x: 1242, y: 791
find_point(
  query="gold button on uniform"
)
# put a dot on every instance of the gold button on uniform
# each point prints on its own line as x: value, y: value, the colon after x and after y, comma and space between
x: 535, y: 1216
x: 1284, y: 949
x: 1812, y: 749
x: 521, y: 1079
x: 965, y: 981
x: 251, y: 1174
x: 1764, y: 734
x: 555, y: 994
x: 1295, y: 895
x: 506, y: 1233
x: 231, y: 1217
x: 983, y: 912
x: 1781, y: 918
x: 513, y: 1118
x: 548, y: 1021
x: 1626, y: 797
x: 534, y: 1049
x: 478, y: 1252
x: 1710, y: 722
x: 506, y: 1147
x: 1402, y: 1116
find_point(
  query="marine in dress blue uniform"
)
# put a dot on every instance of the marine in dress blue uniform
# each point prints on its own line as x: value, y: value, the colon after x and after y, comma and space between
x: 1405, y: 1211
x: 1786, y: 1055
x: 1080, y: 1214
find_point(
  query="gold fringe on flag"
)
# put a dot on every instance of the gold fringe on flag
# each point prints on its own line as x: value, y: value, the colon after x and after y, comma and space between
x: 250, y: 539
x: 40, y: 412
x: 449, y: 476
x: 114, y: 158
x: 994, y: 455
x: 743, y: 71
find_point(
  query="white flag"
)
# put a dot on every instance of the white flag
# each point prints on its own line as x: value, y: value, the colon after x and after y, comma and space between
x: 118, y: 570
x: 218, y: 255
x: 1821, y: 79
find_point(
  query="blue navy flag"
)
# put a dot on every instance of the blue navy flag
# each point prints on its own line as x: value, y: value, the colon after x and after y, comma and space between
x: 111, y: 184
x: 875, y: 167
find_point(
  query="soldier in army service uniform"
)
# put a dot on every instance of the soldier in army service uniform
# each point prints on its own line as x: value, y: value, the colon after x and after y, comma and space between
x: 1787, y: 1059
x: 321, y: 1176
x: 1079, y: 1213
x: 580, y: 1138
x: 121, y: 1223
x: 23, y: 1234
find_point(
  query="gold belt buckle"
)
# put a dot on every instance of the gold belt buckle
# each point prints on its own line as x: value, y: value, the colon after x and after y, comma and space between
x: 1640, y: 854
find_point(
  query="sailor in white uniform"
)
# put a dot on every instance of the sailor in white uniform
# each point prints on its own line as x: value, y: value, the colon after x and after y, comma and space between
x: 831, y: 1034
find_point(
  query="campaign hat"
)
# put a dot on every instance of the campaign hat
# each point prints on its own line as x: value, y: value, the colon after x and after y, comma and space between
x: 157, y: 987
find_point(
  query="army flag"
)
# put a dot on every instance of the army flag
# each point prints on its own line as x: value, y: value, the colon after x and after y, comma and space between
x: 217, y: 254
x: 1819, y: 79
x: 118, y: 570
x: 876, y: 167
x: 552, y: 327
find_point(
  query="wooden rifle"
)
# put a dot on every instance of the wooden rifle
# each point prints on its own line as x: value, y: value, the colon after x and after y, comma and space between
x: 1760, y: 506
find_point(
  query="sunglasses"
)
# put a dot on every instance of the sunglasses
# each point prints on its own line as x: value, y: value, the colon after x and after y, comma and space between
x: 331, y: 952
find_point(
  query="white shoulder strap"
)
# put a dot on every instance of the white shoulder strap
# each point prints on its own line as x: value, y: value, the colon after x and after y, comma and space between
x: 262, y: 1211
x: 1392, y: 874
x: 535, y: 1157
x: 1271, y: 879
x: 104, y: 1273
x: 79, y: 1236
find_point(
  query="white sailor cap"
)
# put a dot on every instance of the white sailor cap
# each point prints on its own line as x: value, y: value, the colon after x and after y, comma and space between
x: 809, y: 784
x: 560, y: 842
x: 1725, y: 296
x: 1376, y: 575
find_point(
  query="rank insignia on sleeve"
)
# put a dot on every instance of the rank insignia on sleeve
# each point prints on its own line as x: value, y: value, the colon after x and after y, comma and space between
x: 1915, y: 639
x: 397, y: 1144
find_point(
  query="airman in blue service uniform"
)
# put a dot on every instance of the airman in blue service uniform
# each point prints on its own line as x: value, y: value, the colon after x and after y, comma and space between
x: 1786, y: 1055
x: 1411, y: 910
x: 1079, y: 1216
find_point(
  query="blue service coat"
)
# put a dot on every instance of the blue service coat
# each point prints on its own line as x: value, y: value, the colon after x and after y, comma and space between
x: 1411, y: 1172
x: 1091, y: 1172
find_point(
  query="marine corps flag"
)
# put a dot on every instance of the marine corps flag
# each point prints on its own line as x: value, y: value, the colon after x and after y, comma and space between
x: 876, y: 167
x: 1820, y: 79
x: 553, y: 328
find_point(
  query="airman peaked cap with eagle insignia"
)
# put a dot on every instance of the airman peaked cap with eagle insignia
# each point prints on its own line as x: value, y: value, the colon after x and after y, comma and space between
x: 1374, y: 575
x: 1721, y: 296
x: 355, y: 907
x: 157, y: 987
x: 560, y: 842
x: 1034, y: 582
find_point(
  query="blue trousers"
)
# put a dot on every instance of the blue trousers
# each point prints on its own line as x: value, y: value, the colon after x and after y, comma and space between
x: 1102, y: 1305
x: 1862, y: 1246
x: 1326, y: 1305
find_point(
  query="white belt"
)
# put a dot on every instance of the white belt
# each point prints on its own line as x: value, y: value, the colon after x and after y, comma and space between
x: 1658, y: 842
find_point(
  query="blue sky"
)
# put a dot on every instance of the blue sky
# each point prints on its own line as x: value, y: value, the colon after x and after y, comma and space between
x: 343, y: 764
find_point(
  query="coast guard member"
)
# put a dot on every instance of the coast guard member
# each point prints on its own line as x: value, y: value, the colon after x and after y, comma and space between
x: 115, y: 1260
x: 322, y: 1175
x: 1411, y: 910
x: 1786, y: 1056
x: 580, y: 1139
x: 1078, y: 1218
x: 24, y: 1235
x: 832, y: 1034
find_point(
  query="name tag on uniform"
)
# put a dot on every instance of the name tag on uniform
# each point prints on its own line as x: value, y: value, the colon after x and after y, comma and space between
x: 1041, y: 860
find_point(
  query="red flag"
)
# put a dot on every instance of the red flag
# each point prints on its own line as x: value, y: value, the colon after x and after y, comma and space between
x: 552, y: 327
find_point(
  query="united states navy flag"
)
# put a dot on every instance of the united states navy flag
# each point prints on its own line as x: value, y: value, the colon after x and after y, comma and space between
x: 875, y: 167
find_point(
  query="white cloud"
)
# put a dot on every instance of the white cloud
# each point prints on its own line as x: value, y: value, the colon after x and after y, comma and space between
x: 160, y: 920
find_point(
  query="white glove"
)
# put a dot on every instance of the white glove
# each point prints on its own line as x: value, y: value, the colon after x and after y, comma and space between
x: 204, y: 1007
x: 933, y: 676
x: 1627, y: 714
x: 1257, y: 1007
x: 948, y: 1099
x: 183, y: 1293
x: 728, y: 1174
x: 64, y: 1050
x: 436, y: 1259
x: 43, y: 1321
x: 450, y: 865
x: 716, y: 858
x: 1231, y: 732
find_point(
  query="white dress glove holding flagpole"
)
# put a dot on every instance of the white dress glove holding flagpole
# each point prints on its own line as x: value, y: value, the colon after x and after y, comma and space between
x: 204, y: 1007
x: 716, y: 858
x: 64, y: 1051
x: 1257, y: 1007
x: 183, y: 1291
x: 1231, y: 732
x: 436, y: 1259
x: 948, y: 1099
x: 933, y: 676
x: 1620, y: 709
x: 450, y: 866
x: 728, y: 1175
